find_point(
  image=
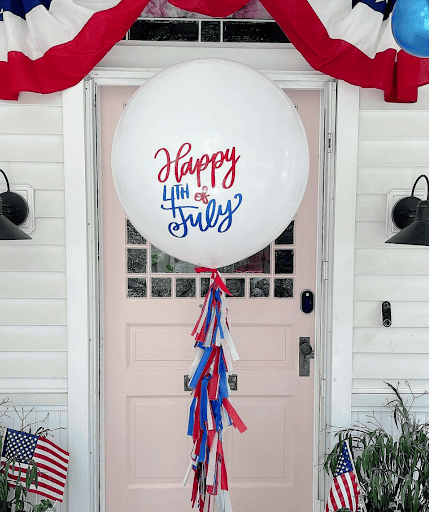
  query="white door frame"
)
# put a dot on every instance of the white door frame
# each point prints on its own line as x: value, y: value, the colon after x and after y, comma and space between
x: 334, y: 326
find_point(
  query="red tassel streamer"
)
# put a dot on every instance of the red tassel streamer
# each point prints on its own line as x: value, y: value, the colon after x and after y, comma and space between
x: 212, y: 411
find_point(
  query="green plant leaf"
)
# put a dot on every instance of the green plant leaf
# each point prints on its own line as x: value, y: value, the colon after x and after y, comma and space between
x: 416, y: 497
x: 28, y: 478
x: 36, y: 476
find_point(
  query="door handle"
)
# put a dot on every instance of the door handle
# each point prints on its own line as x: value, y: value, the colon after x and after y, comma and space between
x: 306, y: 353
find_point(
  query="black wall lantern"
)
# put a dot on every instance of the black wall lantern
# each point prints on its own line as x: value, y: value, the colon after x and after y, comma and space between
x: 411, y: 216
x: 13, y: 212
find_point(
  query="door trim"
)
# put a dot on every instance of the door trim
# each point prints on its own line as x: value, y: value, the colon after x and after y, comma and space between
x: 85, y: 356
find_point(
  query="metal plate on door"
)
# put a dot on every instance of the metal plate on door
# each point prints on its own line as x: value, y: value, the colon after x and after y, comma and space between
x: 306, y: 353
x: 232, y: 381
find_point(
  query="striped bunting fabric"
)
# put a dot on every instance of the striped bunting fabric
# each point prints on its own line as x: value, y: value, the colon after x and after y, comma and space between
x: 350, y: 40
x: 51, y: 461
x: 50, y: 45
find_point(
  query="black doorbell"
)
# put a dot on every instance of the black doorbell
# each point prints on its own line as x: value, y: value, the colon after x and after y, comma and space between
x: 386, y: 314
x: 307, y: 301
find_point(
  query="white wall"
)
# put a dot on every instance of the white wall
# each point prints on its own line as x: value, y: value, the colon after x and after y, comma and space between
x: 33, y: 323
x: 393, y: 152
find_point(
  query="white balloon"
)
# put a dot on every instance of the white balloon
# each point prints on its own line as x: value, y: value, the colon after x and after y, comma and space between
x: 210, y: 161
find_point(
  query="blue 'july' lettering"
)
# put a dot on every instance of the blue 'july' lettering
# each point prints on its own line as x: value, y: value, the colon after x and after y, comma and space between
x: 215, y: 216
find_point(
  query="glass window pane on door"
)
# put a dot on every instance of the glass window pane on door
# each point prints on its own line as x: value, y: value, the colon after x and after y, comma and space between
x: 259, y: 263
x: 137, y: 287
x: 284, y: 261
x: 133, y: 236
x: 136, y: 261
x: 259, y: 287
x: 283, y: 288
x: 161, y: 263
x: 152, y: 273
x: 236, y: 286
x: 287, y: 237
x: 161, y: 287
x: 185, y: 287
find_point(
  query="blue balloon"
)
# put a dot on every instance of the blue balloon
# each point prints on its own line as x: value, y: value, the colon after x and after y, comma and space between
x: 410, y: 26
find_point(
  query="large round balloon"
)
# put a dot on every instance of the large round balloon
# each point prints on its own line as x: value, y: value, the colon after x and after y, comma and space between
x: 210, y: 161
x: 410, y: 26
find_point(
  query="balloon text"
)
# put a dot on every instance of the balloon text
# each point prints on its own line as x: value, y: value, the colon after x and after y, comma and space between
x: 183, y: 166
x: 214, y: 216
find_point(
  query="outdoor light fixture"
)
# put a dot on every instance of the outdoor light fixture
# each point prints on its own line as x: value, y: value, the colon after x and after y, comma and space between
x: 411, y: 216
x: 13, y: 212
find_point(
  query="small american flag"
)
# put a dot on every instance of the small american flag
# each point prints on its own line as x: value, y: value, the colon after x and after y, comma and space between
x: 51, y: 461
x: 344, y: 491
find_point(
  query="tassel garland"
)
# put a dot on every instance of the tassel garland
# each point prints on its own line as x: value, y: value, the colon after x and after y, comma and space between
x: 211, y: 411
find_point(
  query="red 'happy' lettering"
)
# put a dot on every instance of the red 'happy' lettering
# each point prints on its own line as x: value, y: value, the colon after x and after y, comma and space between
x: 184, y: 166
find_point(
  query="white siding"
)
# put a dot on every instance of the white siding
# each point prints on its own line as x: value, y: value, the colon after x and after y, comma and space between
x: 374, y: 406
x: 33, y: 331
x: 393, y: 152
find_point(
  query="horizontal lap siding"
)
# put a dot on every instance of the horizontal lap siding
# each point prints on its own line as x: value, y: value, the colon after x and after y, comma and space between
x: 372, y: 409
x: 393, y: 152
x: 34, y: 285
x: 33, y: 320
x: 40, y: 338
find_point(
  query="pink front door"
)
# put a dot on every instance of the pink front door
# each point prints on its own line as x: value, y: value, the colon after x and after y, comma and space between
x: 151, y: 302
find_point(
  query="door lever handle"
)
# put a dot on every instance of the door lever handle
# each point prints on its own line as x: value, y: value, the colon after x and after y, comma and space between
x: 306, y: 353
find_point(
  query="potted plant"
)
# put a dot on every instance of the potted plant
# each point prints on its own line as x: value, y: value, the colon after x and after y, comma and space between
x: 14, y: 499
x: 392, y: 469
x: 13, y: 492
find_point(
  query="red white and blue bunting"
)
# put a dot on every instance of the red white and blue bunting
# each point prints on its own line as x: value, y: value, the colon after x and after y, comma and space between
x: 211, y: 411
x: 50, y: 45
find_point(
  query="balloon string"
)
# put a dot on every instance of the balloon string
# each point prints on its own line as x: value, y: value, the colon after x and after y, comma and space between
x: 216, y: 278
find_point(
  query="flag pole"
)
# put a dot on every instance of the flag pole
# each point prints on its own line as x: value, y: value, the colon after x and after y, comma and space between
x: 357, y: 479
